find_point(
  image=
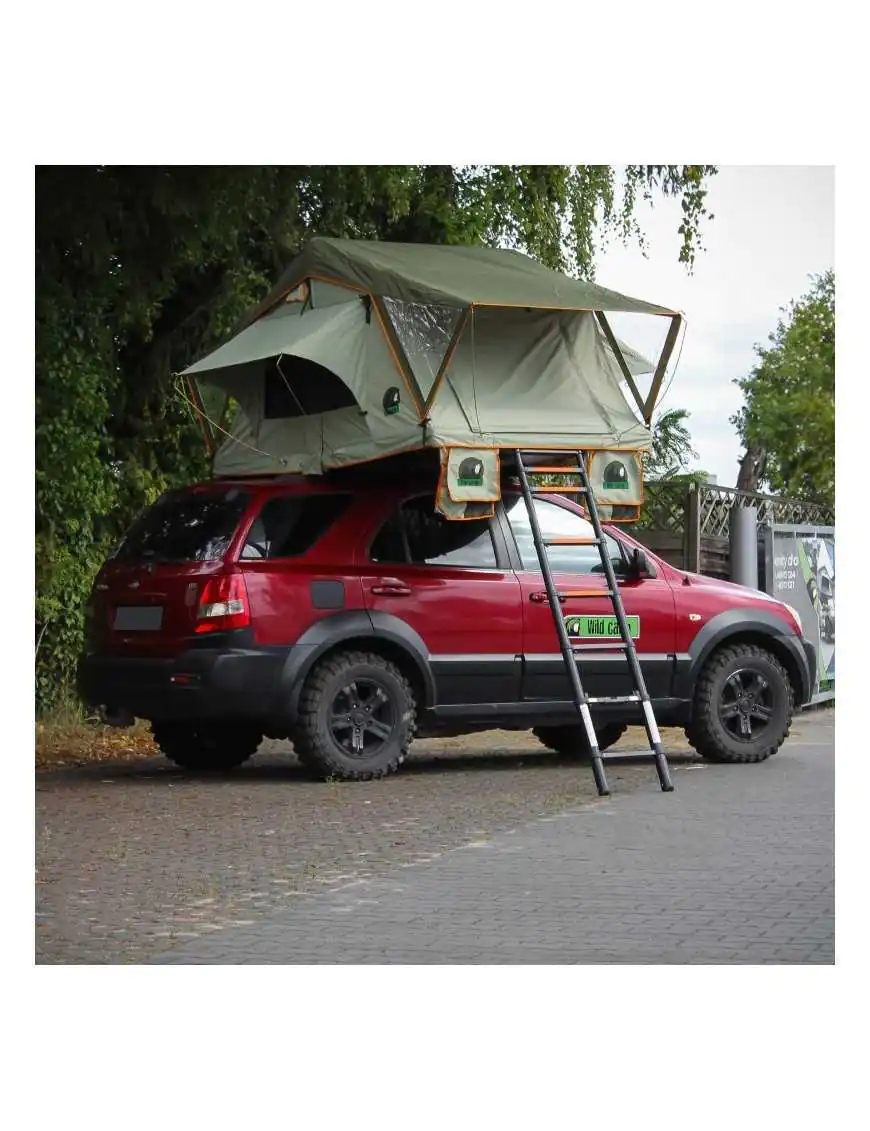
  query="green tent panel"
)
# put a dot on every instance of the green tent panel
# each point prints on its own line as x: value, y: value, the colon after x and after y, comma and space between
x: 449, y: 275
x: 365, y: 350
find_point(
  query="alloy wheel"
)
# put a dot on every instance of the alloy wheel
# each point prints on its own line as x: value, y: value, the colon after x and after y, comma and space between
x: 362, y: 718
x: 746, y: 704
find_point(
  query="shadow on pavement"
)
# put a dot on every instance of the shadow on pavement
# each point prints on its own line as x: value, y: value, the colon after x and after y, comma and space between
x: 277, y: 769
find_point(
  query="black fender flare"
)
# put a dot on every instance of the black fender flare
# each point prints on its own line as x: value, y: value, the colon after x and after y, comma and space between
x: 798, y: 657
x: 350, y: 625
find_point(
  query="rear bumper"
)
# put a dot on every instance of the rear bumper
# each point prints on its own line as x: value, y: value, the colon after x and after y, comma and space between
x: 196, y: 684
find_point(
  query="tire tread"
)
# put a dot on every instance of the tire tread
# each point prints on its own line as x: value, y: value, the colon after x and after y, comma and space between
x: 700, y: 732
x: 316, y: 754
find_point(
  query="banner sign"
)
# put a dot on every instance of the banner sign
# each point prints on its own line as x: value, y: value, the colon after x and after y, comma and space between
x: 800, y: 571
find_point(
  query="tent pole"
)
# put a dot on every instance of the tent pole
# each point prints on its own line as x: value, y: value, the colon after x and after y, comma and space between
x: 659, y: 375
x: 617, y: 352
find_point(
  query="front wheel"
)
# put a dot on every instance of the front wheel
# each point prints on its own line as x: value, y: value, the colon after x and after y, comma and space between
x: 206, y: 746
x: 356, y: 717
x: 743, y: 706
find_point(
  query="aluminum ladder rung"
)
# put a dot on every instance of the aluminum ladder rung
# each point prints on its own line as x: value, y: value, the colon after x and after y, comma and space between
x: 615, y: 699
x: 549, y: 453
x: 551, y: 470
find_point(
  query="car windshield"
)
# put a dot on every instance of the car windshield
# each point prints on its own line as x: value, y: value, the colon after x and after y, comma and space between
x: 195, y: 526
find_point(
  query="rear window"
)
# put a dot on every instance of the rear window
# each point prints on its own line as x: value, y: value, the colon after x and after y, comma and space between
x: 291, y: 524
x: 196, y: 526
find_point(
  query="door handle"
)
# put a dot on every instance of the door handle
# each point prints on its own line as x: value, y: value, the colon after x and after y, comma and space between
x: 540, y: 597
x: 391, y: 587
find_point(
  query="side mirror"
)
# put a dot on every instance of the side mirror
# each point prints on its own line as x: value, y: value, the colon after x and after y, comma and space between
x: 641, y: 566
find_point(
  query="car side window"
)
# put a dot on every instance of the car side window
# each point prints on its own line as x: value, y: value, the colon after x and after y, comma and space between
x: 289, y: 525
x: 557, y: 522
x: 418, y: 534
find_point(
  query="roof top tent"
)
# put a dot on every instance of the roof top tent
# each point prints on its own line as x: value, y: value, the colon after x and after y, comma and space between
x: 365, y: 350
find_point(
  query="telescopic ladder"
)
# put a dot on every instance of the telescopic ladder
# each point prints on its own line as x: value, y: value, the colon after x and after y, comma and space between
x: 571, y: 654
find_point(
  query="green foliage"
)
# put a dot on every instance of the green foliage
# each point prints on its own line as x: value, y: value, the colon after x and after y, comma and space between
x: 788, y: 414
x: 671, y: 445
x: 141, y: 269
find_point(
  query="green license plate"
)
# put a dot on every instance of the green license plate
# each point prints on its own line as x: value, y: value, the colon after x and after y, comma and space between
x: 600, y: 628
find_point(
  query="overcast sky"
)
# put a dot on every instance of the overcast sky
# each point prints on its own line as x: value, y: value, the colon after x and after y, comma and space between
x: 773, y: 228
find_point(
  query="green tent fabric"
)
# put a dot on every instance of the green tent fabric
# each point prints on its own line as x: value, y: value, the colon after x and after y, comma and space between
x: 367, y: 350
x: 637, y: 364
x: 450, y: 275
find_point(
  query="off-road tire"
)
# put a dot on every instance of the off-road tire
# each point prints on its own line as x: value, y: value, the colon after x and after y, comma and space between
x: 571, y: 742
x: 314, y: 741
x: 212, y: 747
x: 706, y: 731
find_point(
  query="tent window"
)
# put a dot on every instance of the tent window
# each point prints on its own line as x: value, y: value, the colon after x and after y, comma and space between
x: 424, y: 331
x: 302, y: 388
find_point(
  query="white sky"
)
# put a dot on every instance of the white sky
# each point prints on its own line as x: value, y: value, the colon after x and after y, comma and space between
x: 773, y: 228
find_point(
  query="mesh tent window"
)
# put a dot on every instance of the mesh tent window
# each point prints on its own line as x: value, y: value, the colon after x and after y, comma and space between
x: 424, y: 332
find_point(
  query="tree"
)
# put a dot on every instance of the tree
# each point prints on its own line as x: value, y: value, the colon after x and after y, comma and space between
x: 787, y: 419
x: 671, y: 445
x: 139, y: 269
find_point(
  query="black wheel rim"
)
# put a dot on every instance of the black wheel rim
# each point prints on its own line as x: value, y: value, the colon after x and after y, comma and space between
x: 746, y: 704
x: 362, y: 718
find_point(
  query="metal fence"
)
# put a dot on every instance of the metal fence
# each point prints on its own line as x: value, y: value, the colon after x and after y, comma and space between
x: 715, y: 504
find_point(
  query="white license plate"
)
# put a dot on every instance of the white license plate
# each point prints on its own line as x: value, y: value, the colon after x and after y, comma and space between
x: 138, y: 618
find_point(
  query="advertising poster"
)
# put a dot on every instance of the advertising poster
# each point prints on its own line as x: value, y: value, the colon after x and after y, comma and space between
x: 803, y: 576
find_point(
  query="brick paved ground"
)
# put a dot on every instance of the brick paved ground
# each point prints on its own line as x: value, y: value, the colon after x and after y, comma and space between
x: 734, y: 867
x: 135, y: 856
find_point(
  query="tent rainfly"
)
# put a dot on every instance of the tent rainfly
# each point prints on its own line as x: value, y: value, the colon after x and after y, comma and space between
x: 365, y: 350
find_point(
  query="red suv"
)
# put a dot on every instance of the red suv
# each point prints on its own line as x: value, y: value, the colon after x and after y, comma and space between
x: 349, y: 618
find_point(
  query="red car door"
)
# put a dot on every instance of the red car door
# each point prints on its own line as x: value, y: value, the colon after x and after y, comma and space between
x: 452, y: 583
x: 649, y: 606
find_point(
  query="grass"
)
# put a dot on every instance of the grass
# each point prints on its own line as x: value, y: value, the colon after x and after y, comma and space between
x: 69, y: 737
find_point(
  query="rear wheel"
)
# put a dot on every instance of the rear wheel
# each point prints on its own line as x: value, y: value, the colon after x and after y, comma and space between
x: 743, y: 706
x: 570, y: 741
x: 206, y: 746
x: 356, y: 717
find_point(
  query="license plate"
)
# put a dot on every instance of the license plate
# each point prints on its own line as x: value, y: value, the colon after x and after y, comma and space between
x: 138, y: 618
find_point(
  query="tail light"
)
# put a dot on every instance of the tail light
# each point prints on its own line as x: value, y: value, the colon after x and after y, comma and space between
x: 223, y: 604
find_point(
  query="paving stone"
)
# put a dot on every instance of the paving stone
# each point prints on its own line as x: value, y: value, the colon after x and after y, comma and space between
x: 736, y: 866
x: 570, y: 897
